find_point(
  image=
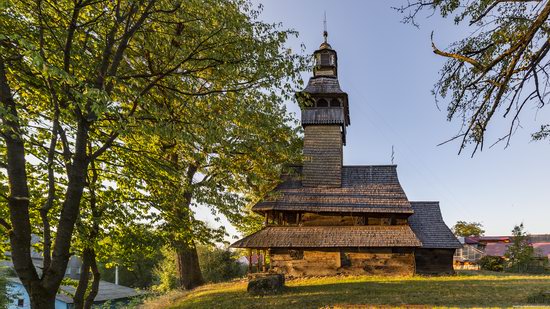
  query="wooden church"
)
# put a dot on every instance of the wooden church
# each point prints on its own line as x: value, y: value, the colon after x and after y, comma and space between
x: 326, y: 218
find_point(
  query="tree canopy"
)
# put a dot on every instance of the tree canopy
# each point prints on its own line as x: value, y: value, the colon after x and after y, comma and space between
x: 500, y: 69
x: 467, y: 229
x: 106, y: 106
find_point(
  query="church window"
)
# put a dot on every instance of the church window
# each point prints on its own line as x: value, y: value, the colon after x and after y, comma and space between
x: 322, y: 103
x: 334, y: 103
x: 296, y: 254
x: 325, y: 59
x: 344, y: 259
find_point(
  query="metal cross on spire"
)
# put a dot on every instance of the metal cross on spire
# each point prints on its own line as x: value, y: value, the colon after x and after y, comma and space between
x: 325, y: 32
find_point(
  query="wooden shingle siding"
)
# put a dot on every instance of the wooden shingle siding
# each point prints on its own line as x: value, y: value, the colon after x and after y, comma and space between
x: 368, y: 189
x: 322, y: 156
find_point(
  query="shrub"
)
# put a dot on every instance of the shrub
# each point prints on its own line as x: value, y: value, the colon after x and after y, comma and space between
x: 492, y: 263
x: 219, y: 265
x: 216, y: 265
x: 3, y: 290
x: 166, y: 272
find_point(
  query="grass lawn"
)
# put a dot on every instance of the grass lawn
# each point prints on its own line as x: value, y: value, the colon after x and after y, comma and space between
x: 462, y: 290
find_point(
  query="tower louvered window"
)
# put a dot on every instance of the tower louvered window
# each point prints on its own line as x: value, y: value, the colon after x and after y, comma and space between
x: 325, y: 59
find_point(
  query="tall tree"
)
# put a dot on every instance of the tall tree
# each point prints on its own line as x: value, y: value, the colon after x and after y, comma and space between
x: 501, y: 68
x: 520, y: 253
x: 74, y: 75
x: 240, y: 140
x: 467, y: 229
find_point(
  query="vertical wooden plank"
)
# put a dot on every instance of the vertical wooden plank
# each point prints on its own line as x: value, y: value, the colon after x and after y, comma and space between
x: 263, y: 265
x: 249, y: 260
x: 258, y: 258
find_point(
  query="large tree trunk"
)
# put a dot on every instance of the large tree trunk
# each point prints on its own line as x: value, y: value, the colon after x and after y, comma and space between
x: 187, y: 259
x: 40, y: 297
x: 189, y: 271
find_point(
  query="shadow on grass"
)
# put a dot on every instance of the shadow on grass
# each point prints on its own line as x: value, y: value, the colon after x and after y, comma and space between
x: 464, y: 292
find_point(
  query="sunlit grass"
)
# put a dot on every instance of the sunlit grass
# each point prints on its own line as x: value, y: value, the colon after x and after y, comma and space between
x: 463, y: 290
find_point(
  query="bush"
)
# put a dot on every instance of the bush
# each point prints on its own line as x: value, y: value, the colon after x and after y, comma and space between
x: 3, y: 290
x: 219, y: 265
x: 166, y: 272
x: 531, y: 266
x: 492, y: 263
x: 216, y: 265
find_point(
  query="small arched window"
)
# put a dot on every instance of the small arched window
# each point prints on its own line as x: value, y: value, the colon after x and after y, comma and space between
x: 322, y: 103
x: 325, y: 59
x: 335, y: 103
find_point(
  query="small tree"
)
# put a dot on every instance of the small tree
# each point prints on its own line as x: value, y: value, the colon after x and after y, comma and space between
x: 466, y: 229
x: 492, y: 263
x: 520, y: 254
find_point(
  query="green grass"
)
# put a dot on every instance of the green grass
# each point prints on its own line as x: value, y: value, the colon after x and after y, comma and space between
x: 463, y: 290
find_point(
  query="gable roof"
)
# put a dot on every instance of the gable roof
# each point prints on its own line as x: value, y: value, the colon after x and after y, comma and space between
x: 365, y: 189
x: 427, y: 223
x: 330, y: 236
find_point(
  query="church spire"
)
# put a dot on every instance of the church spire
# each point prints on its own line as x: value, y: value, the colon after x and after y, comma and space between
x: 325, y: 32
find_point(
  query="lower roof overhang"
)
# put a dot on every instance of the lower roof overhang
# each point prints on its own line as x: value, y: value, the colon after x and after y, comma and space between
x: 330, y: 237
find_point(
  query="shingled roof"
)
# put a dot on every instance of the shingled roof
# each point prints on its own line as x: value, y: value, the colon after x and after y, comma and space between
x: 369, y: 188
x: 323, y: 85
x: 427, y: 223
x: 330, y: 236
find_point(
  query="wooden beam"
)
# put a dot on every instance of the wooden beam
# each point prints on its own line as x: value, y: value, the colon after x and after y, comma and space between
x: 259, y: 264
x: 249, y: 260
x: 263, y: 265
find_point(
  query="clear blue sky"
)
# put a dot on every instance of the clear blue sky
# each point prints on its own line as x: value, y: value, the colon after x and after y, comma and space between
x: 388, y: 70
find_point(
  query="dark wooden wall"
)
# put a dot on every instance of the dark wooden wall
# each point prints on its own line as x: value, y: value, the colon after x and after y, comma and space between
x: 350, y: 261
x: 322, y: 156
x: 340, y: 219
x: 434, y: 261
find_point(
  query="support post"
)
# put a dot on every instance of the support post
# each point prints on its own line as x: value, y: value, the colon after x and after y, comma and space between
x: 249, y: 260
x: 263, y: 265
x: 259, y: 255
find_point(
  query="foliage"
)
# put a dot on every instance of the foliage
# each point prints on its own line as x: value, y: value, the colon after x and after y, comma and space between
x: 466, y: 229
x: 520, y: 254
x: 492, y: 263
x: 4, y: 300
x: 499, y: 69
x: 218, y: 265
x: 165, y: 272
x: 502, y: 290
x: 136, y: 252
x: 98, y: 97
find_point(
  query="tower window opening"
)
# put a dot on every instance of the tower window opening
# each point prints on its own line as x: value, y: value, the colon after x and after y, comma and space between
x: 335, y: 103
x: 325, y: 59
x: 322, y: 103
